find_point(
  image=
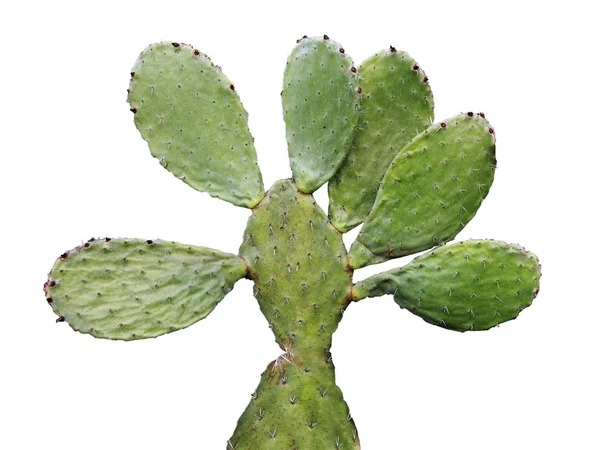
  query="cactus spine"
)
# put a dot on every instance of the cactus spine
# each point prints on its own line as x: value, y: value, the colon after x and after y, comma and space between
x: 366, y: 131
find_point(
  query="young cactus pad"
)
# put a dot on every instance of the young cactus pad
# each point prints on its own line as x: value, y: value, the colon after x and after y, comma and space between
x: 369, y: 132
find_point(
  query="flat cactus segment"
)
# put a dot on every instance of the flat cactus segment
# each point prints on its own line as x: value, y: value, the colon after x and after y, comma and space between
x: 296, y: 406
x: 194, y: 122
x: 298, y: 263
x: 133, y: 289
x: 432, y: 189
x: 472, y: 285
x: 320, y: 109
x: 396, y: 104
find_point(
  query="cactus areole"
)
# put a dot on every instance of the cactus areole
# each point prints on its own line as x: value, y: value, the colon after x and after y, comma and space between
x: 369, y: 132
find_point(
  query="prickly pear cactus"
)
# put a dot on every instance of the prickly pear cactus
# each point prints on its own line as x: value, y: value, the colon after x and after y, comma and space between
x: 369, y: 133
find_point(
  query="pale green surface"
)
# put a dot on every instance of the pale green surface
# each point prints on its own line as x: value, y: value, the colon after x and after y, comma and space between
x: 472, y: 285
x: 396, y: 104
x: 432, y: 189
x: 320, y: 109
x: 132, y: 289
x: 194, y: 122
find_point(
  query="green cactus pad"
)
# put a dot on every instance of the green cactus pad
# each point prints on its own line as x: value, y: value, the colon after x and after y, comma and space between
x: 299, y: 266
x: 296, y: 406
x: 396, y: 104
x: 432, y: 189
x: 133, y: 289
x: 194, y: 122
x: 320, y: 108
x: 472, y: 285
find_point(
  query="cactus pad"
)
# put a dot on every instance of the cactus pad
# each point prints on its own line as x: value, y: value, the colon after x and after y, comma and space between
x: 320, y: 108
x: 432, y: 189
x: 297, y: 405
x: 298, y: 263
x: 194, y: 122
x: 396, y: 103
x: 472, y: 285
x: 134, y: 289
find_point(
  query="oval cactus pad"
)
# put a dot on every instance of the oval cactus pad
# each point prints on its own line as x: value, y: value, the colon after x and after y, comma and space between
x: 194, y: 122
x: 320, y: 108
x: 396, y: 103
x: 432, y: 189
x: 472, y: 285
x: 133, y: 289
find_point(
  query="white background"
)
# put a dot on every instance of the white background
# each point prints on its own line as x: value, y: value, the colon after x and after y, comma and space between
x: 73, y: 166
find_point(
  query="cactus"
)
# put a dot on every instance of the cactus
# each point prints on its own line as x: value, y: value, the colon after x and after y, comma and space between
x: 369, y: 132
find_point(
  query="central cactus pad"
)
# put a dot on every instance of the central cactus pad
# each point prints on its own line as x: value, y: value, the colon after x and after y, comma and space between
x: 303, y: 285
x: 299, y: 265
